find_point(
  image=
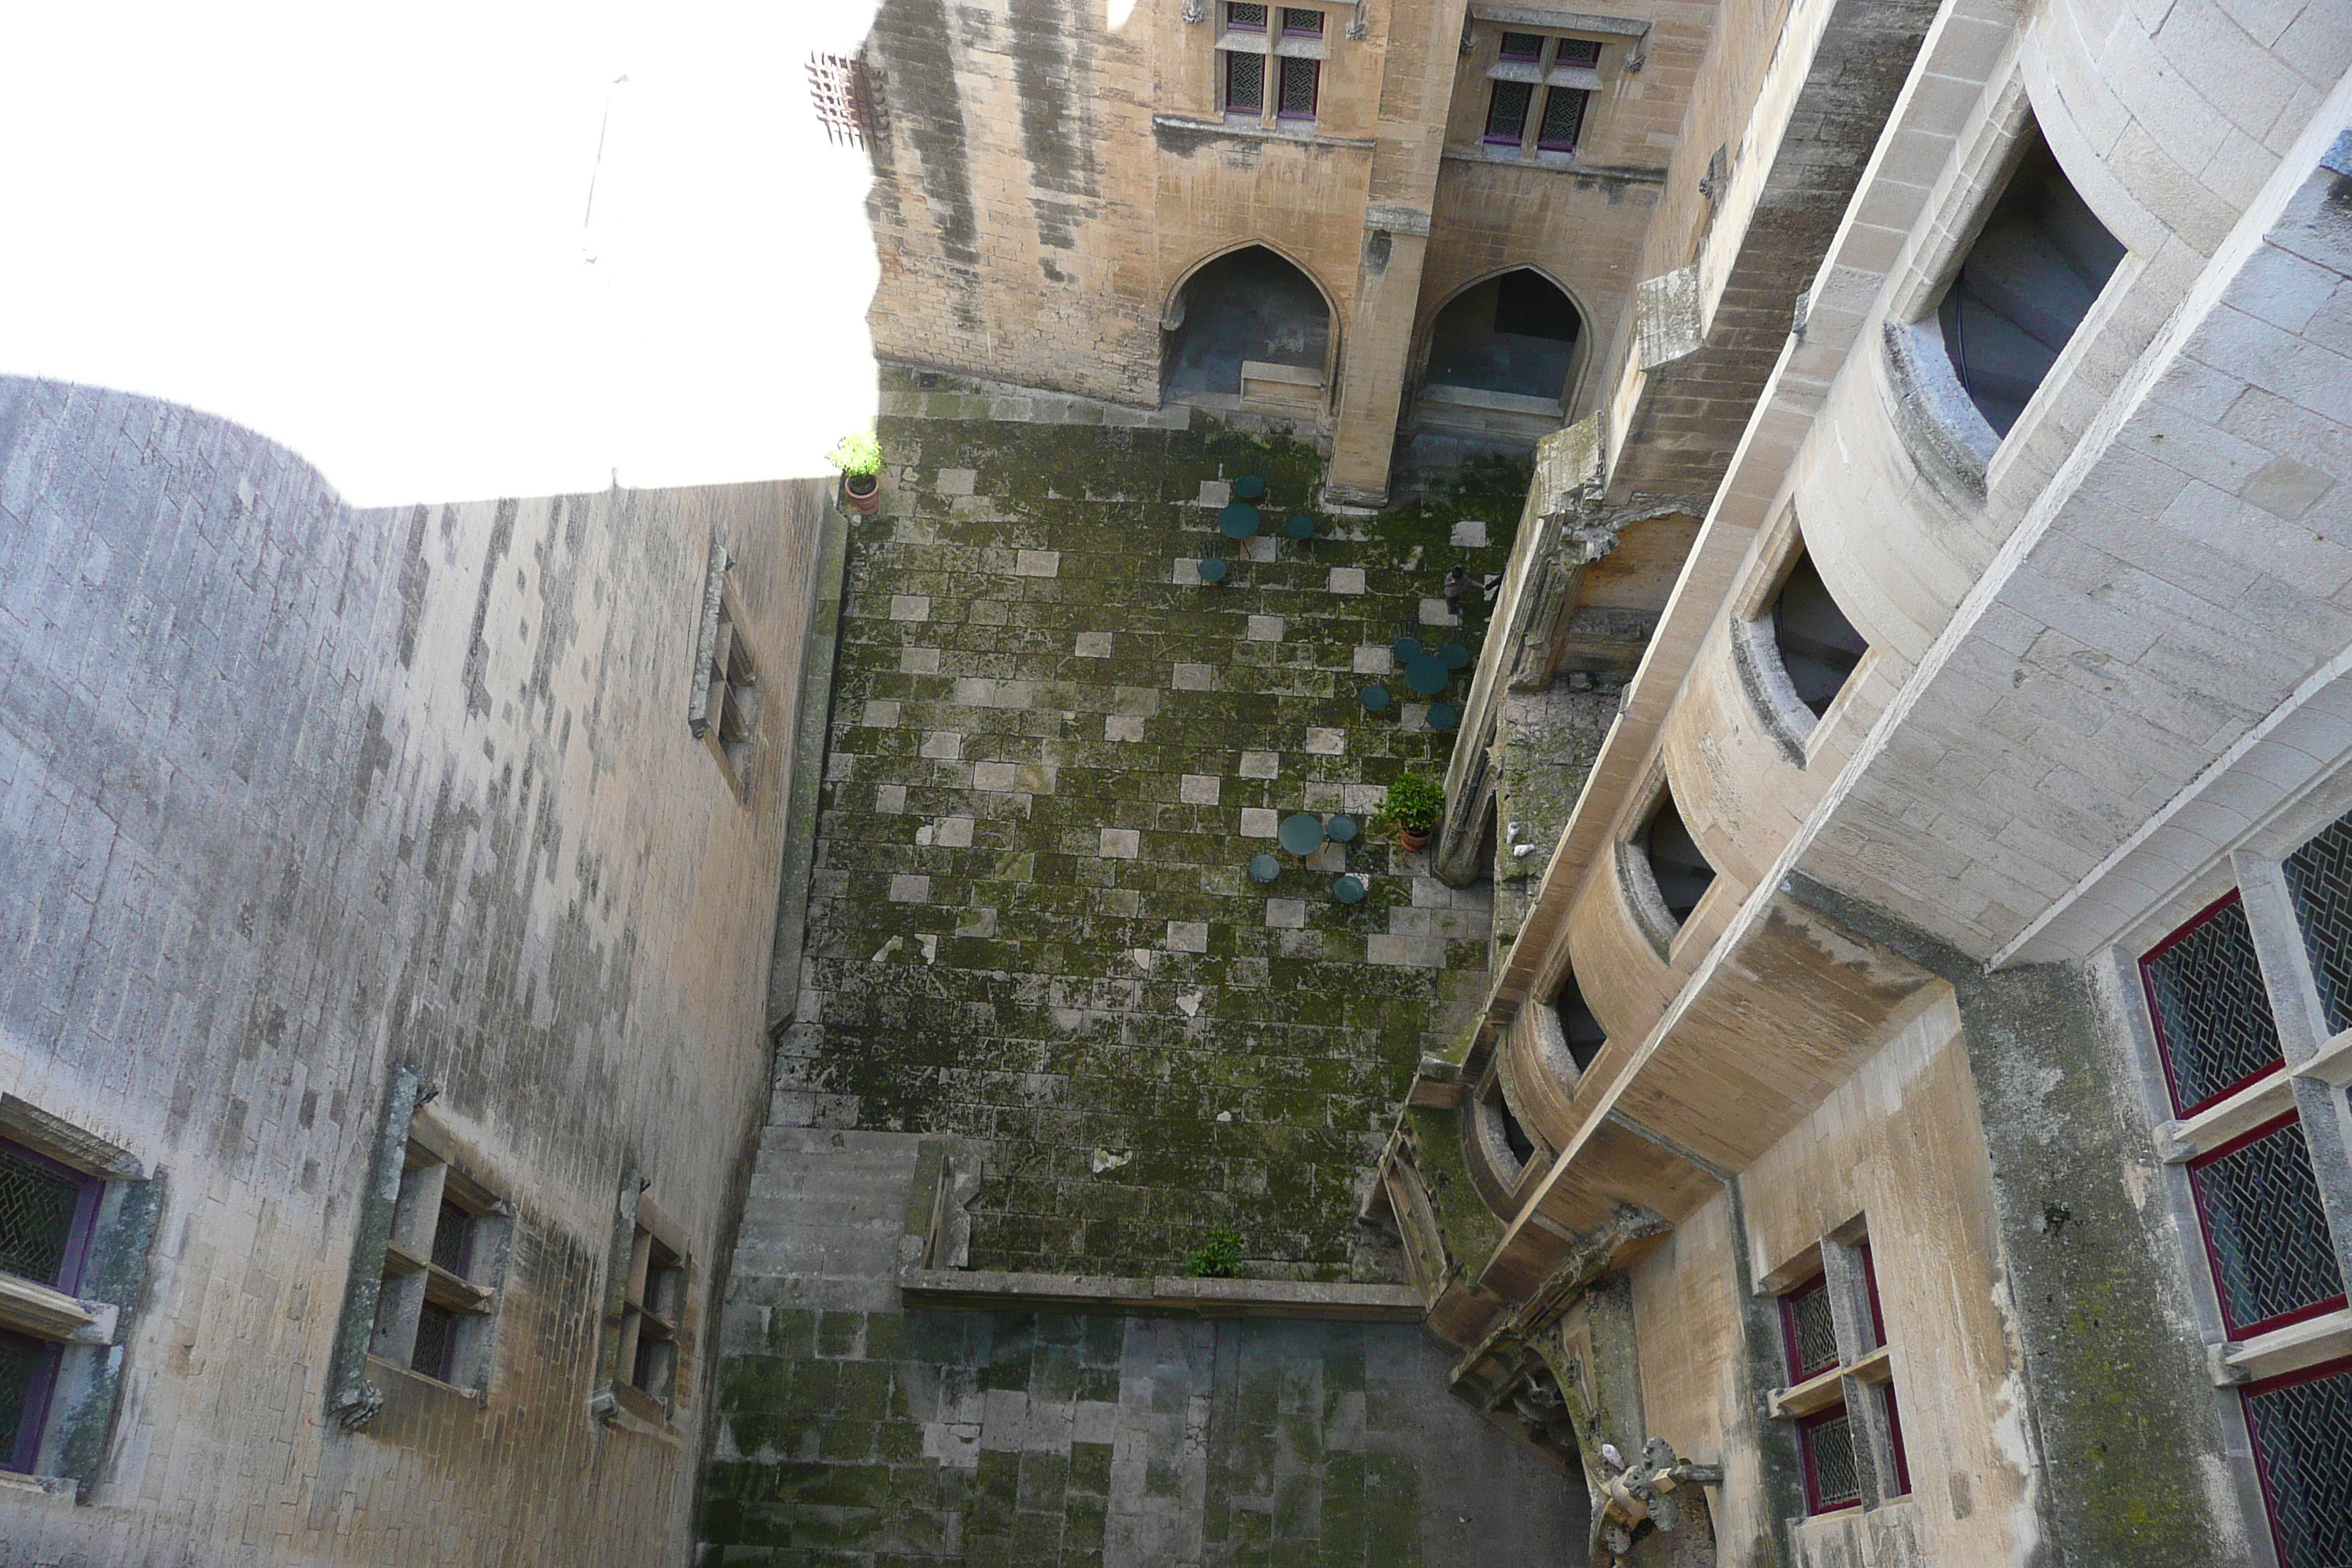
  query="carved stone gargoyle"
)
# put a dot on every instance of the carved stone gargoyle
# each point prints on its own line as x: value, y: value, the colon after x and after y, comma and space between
x: 1638, y: 1497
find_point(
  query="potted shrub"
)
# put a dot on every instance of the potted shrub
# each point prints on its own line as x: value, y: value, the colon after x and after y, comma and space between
x: 1414, y: 803
x: 859, y: 459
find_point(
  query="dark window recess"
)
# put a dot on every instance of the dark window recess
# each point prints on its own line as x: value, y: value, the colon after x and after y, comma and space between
x: 1245, y: 83
x: 436, y: 1341
x: 651, y: 1307
x: 45, y: 1214
x: 1832, y: 1481
x: 1523, y: 46
x: 2302, y: 1447
x: 2212, y: 1018
x: 1245, y: 18
x: 27, y: 1368
x: 453, y: 1239
x: 1902, y: 1487
x: 1682, y: 872
x: 1302, y: 22
x: 1810, y: 1331
x: 1528, y: 306
x: 1515, y: 1137
x: 2265, y: 1230
x: 1870, y: 1282
x: 2319, y: 876
x: 1819, y: 647
x: 1582, y: 53
x: 2029, y: 280
x: 1507, y: 113
x: 1583, y: 1031
x: 1563, y: 119
x: 1299, y: 80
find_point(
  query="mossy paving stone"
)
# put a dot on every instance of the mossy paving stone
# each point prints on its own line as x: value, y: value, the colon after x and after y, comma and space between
x: 1041, y: 994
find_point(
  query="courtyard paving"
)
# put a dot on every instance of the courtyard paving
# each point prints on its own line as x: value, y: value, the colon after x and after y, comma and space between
x: 1053, y: 753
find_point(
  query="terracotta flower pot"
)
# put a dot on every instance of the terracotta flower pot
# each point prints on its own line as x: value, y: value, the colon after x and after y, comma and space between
x: 1413, y: 839
x: 866, y: 499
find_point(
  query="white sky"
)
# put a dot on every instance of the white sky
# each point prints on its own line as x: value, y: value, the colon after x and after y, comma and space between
x: 365, y: 232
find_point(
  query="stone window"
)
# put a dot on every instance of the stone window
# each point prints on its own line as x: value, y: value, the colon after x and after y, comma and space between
x: 2024, y: 285
x: 1840, y: 1393
x: 723, y: 712
x: 1580, y: 1030
x: 1538, y: 89
x: 2302, y: 1427
x: 2259, y: 1119
x: 77, y: 1218
x: 646, y: 1336
x: 1819, y: 647
x: 1270, y: 62
x: 438, y: 1296
x: 1667, y: 870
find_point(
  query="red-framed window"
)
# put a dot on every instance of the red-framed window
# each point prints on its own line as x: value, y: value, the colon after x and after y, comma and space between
x: 1301, y: 22
x: 2319, y: 881
x: 1902, y: 1487
x: 2265, y: 1229
x: 2212, y: 1016
x: 1301, y: 81
x: 1563, y: 119
x: 1245, y: 18
x: 1522, y: 49
x: 2302, y: 1426
x: 48, y: 1212
x: 1582, y: 53
x: 1507, y: 112
x: 1833, y: 1479
x: 1808, y: 1330
x: 1245, y: 83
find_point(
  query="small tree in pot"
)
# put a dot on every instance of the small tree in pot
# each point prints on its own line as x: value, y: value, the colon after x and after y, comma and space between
x: 1414, y: 804
x: 859, y: 459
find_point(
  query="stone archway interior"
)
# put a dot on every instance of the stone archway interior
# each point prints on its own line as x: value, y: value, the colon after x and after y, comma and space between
x: 1514, y: 334
x: 1250, y: 306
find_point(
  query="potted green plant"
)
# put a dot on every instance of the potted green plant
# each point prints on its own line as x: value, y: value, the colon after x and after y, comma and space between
x: 1414, y: 803
x: 859, y: 459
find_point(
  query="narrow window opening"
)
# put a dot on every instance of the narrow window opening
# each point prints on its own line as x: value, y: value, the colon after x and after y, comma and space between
x: 1809, y: 1330
x: 1515, y: 1137
x: 28, y: 1369
x: 1299, y: 86
x: 1833, y: 1479
x: 1902, y: 1487
x: 1819, y: 647
x: 2028, y: 281
x: 2319, y: 879
x: 1563, y: 119
x: 1507, y: 113
x: 1682, y: 872
x: 1583, y: 1031
x: 1245, y: 83
x: 652, y: 1308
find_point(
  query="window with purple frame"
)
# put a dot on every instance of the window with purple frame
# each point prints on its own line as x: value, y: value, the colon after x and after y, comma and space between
x: 1580, y: 53
x: 1507, y: 113
x: 2302, y: 1426
x: 1521, y: 48
x: 1245, y: 18
x: 46, y: 1213
x: 1245, y: 83
x: 1563, y: 119
x: 1300, y: 82
x: 1301, y: 22
x: 1902, y: 1486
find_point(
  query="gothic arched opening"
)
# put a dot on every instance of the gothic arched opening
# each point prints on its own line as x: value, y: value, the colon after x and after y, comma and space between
x: 1242, y: 314
x: 1513, y: 336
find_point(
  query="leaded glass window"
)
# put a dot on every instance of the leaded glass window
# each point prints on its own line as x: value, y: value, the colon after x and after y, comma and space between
x: 1507, y: 112
x: 1245, y: 18
x: 2319, y: 876
x: 42, y: 1205
x: 1245, y: 83
x: 2265, y: 1229
x: 1811, y: 1331
x: 2303, y: 1444
x: 1581, y: 52
x: 1302, y: 22
x: 1299, y: 80
x: 2212, y: 1016
x: 1563, y: 119
x: 1833, y: 1479
x: 1522, y: 46
x: 26, y: 1368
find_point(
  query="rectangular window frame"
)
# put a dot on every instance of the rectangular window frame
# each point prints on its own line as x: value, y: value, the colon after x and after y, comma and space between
x: 1287, y: 68
x: 1254, y: 107
x: 1809, y: 1428
x: 2236, y: 1329
x: 1236, y: 21
x: 1504, y: 52
x: 1291, y: 29
x: 414, y: 1283
x: 2264, y: 1465
x: 1547, y: 143
x: 647, y: 1300
x: 2144, y: 968
x: 1791, y: 1340
x: 1496, y: 89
